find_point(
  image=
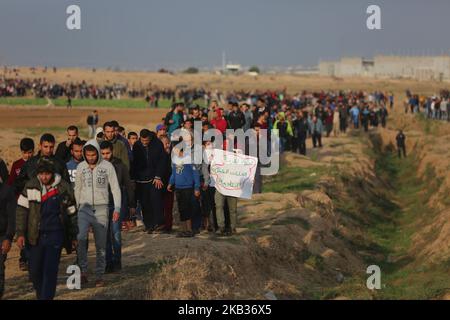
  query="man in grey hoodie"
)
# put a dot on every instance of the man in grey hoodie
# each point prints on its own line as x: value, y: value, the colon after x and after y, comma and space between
x: 95, y: 177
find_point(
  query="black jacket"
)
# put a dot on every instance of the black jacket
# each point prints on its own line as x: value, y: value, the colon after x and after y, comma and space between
x: 301, y: 128
x: 7, y: 212
x: 401, y: 138
x: 3, y: 171
x: 29, y: 171
x: 148, y: 162
x: 63, y: 152
x: 92, y: 120
x: 123, y: 177
x: 236, y: 120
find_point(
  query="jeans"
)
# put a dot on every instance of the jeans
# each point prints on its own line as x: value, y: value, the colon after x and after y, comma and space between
x: 91, y: 130
x: 220, y: 200
x: 44, y: 264
x: 87, y: 218
x: 124, y: 211
x: 114, y: 241
x: 317, y: 138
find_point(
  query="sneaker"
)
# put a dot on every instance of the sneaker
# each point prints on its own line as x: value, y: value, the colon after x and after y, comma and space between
x: 180, y: 234
x: 139, y: 223
x: 185, y: 234
x: 188, y: 234
x: 160, y: 229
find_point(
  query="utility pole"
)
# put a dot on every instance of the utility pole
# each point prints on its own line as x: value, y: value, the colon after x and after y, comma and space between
x: 223, y: 61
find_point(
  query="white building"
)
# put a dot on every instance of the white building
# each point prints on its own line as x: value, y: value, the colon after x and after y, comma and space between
x: 413, y: 67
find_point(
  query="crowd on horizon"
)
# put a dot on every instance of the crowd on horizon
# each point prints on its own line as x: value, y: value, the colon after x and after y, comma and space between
x: 120, y: 180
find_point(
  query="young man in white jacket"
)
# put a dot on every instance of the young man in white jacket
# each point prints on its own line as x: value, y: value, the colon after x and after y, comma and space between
x: 95, y: 177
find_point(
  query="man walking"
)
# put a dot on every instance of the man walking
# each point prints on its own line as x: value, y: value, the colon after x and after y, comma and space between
x: 114, y: 238
x: 46, y: 219
x: 316, y: 129
x: 76, y: 150
x: 92, y: 121
x: 28, y: 171
x: 120, y: 150
x: 301, y: 131
x: 401, y: 144
x: 63, y: 149
x: 147, y: 171
x: 93, y: 181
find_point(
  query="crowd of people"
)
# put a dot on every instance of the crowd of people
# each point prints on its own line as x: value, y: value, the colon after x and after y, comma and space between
x: 118, y: 180
x: 436, y: 107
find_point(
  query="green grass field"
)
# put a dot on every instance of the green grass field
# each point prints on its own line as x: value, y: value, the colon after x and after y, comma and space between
x: 99, y: 103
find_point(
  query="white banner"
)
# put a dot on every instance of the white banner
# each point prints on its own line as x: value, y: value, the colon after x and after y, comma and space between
x: 233, y: 173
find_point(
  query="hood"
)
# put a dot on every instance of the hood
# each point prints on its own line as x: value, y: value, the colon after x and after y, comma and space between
x: 218, y: 114
x: 93, y: 142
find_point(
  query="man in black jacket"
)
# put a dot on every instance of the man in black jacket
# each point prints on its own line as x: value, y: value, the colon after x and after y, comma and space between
x: 7, y: 227
x: 29, y: 170
x: 401, y: 145
x: 147, y: 170
x: 236, y: 119
x: 301, y: 131
x: 63, y: 149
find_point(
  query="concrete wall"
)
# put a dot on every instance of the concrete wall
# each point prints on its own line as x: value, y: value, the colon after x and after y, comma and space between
x: 420, y: 68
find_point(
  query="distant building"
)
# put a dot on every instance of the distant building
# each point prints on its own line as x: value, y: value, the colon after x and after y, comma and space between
x: 233, y: 68
x: 413, y: 67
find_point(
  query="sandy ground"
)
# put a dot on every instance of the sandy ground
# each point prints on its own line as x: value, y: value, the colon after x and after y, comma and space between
x: 19, y: 121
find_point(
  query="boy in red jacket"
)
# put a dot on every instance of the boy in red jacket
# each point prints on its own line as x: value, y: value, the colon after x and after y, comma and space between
x: 27, y: 149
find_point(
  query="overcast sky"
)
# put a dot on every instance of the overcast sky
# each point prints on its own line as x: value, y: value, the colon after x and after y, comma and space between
x: 149, y: 34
